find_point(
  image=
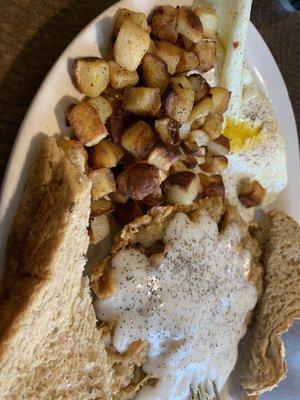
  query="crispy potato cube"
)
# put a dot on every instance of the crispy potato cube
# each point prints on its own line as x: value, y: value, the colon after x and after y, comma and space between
x: 154, y: 72
x: 181, y: 81
x: 198, y: 136
x: 212, y: 185
x: 181, y: 188
x: 201, y: 109
x: 118, y: 197
x: 120, y: 77
x: 189, y: 25
x: 99, y: 229
x: 252, y: 194
x: 206, y: 51
x: 101, y: 206
x: 168, y: 130
x: 127, y: 212
x: 105, y: 154
x: 214, y: 164
x: 142, y: 101
x: 187, y: 62
x: 220, y: 98
x: 102, y: 106
x: 177, y: 166
x: 219, y: 146
x: 103, y: 182
x: 199, y: 85
x: 169, y: 53
x: 193, y: 149
x: 209, y: 20
x: 213, y: 125
x: 164, y: 23
x: 163, y: 156
x: 131, y: 45
x: 75, y: 151
x: 139, y: 139
x: 86, y: 124
x: 138, y: 18
x: 91, y: 75
x: 153, y: 200
x: 186, y: 43
x: 178, y: 103
x: 117, y: 123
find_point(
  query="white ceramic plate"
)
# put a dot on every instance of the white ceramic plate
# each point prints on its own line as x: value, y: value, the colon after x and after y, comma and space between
x: 46, y: 113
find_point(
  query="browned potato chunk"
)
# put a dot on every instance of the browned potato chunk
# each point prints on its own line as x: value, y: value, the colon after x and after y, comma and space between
x: 86, y: 123
x: 142, y: 101
x: 105, y: 154
x: 198, y: 136
x: 214, y: 164
x: 163, y: 156
x: 154, y: 72
x: 220, y: 98
x: 131, y: 45
x: 167, y: 130
x: 164, y: 23
x: 101, y: 206
x: 103, y: 182
x: 75, y: 151
x: 117, y: 123
x: 199, y: 85
x: 189, y: 25
x: 102, y: 106
x: 91, y: 75
x: 209, y: 21
x: 181, y: 81
x: 118, y: 197
x: 201, y: 109
x: 178, y: 103
x: 127, y: 212
x: 99, y: 229
x: 219, y: 146
x: 138, y: 18
x: 120, y: 77
x: 187, y: 62
x: 206, y: 51
x: 181, y: 188
x: 139, y: 139
x: 169, y: 53
x: 185, y: 42
x: 212, y: 185
x: 193, y: 149
x: 252, y: 194
x: 177, y: 166
x: 213, y: 125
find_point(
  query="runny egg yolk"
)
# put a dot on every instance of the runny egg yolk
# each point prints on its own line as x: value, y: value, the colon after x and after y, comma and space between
x: 241, y: 134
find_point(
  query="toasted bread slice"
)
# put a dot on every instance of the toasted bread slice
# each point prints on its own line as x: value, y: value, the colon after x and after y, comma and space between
x: 263, y: 354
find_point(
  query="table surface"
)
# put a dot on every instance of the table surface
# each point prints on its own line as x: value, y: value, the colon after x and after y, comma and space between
x: 34, y: 33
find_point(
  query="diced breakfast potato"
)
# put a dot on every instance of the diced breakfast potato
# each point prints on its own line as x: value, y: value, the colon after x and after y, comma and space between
x: 139, y: 139
x: 187, y: 62
x: 164, y: 23
x: 177, y: 166
x: 99, y: 229
x: 189, y: 25
x: 194, y: 150
x: 199, y: 85
x: 142, y: 101
x: 212, y: 185
x: 213, y: 125
x: 178, y: 103
x: 101, y: 206
x: 219, y: 146
x: 206, y: 51
x: 105, y: 154
x: 75, y: 152
x: 117, y: 123
x: 186, y: 43
x: 154, y: 72
x: 214, y: 164
x: 220, y: 98
x: 127, y: 212
x: 169, y: 53
x: 252, y: 194
x: 91, y: 75
x: 181, y: 188
x: 118, y: 197
x: 163, y: 156
x: 198, y: 136
x: 167, y: 130
x: 181, y: 81
x: 209, y: 21
x: 201, y: 109
x: 86, y: 124
x: 102, y: 106
x: 131, y: 45
x: 138, y: 18
x: 103, y: 182
x: 120, y: 77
